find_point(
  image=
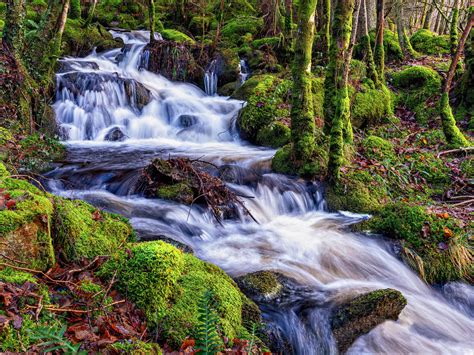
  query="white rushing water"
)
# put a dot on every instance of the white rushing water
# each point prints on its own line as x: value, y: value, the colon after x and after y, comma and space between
x: 294, y: 234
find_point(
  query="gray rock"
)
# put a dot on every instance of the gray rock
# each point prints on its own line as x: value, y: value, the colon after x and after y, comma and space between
x: 115, y: 134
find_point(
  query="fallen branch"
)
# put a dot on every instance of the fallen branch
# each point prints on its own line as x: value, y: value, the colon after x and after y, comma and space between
x: 72, y: 310
x: 459, y: 150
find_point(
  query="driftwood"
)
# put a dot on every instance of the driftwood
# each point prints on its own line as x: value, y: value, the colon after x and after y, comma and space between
x: 185, y: 181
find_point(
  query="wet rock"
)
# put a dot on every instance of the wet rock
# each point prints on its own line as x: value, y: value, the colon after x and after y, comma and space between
x: 68, y: 65
x: 188, y: 120
x: 138, y: 93
x: 115, y: 135
x: 261, y: 286
x: 360, y: 315
x: 238, y: 175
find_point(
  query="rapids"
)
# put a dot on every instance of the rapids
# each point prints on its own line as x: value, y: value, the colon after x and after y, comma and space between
x: 295, y: 235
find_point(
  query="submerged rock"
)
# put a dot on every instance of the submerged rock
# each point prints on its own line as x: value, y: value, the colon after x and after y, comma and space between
x: 261, y: 286
x: 115, y: 134
x: 360, y: 315
x: 188, y: 120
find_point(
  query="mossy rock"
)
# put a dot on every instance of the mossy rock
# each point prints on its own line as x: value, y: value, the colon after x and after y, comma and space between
x: 15, y: 276
x: 167, y: 285
x: 266, y: 105
x: 135, y: 347
x: 176, y: 36
x: 180, y: 192
x: 417, y: 84
x: 377, y: 148
x: 360, y: 315
x: 284, y: 163
x: 427, y: 42
x: 436, y: 246
x: 82, y: 231
x: 25, y: 228
x: 239, y: 26
x: 393, y: 52
x: 261, y: 286
x: 371, y: 106
x: 358, y: 191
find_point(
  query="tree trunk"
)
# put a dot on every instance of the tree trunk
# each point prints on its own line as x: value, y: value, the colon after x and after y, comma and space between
x: 427, y: 19
x: 369, y: 56
x: 289, y: 19
x: 379, y: 52
x: 453, y: 135
x: 326, y: 35
x: 75, y: 11
x: 90, y: 14
x: 13, y: 34
x: 403, y: 39
x: 439, y: 18
x: 341, y: 34
x: 302, y: 117
x: 453, y: 33
x: 151, y: 19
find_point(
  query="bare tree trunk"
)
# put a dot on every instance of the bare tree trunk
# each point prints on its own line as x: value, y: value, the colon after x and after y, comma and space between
x: 427, y: 19
x: 371, y: 69
x: 439, y: 18
x: 151, y: 19
x: 350, y: 49
x: 403, y: 39
x: 453, y: 135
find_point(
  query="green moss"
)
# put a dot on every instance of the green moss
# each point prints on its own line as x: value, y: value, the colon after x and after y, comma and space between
x: 435, y: 246
x: 316, y: 167
x: 467, y: 167
x: 167, y: 284
x: 281, y: 162
x: 317, y: 89
x: 267, y: 41
x: 263, y: 285
x: 3, y: 171
x: 358, y: 191
x: 454, y: 136
x: 431, y: 168
x: 417, y: 84
x: 15, y: 276
x: 371, y: 106
x: 391, y: 45
x: 181, y: 192
x: 427, y: 42
x: 135, y: 347
x: 177, y: 36
x: 25, y: 228
x: 378, y: 148
x: 83, y: 231
x: 266, y: 104
x: 240, y: 26
x: 275, y: 135
x: 88, y: 286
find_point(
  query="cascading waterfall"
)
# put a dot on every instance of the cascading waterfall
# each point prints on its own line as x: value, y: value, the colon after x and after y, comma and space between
x: 210, y: 79
x: 244, y: 71
x: 294, y: 234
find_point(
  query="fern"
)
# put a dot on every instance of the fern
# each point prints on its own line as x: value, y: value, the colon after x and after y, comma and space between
x: 52, y: 339
x: 207, y: 338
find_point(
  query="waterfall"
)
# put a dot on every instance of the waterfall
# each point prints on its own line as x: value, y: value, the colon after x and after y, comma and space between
x: 244, y: 71
x: 210, y: 79
x: 295, y: 235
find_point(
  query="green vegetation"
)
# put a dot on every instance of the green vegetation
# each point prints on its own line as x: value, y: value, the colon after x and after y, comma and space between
x: 427, y: 42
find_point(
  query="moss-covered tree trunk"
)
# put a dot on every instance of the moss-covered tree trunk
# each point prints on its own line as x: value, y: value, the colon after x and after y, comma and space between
x: 403, y: 39
x: 453, y: 33
x: 302, y: 116
x: 369, y: 56
x: 151, y: 19
x: 379, y: 51
x: 453, y: 135
x: 341, y: 34
x: 76, y: 10
x: 91, y: 12
x: 326, y: 30
x: 13, y: 33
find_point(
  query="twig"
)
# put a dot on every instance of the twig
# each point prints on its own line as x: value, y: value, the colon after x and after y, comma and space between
x: 85, y: 267
x: 33, y: 271
x: 39, y: 307
x: 11, y: 259
x: 29, y: 177
x: 467, y: 202
x: 72, y: 310
x: 464, y: 150
x: 110, y: 286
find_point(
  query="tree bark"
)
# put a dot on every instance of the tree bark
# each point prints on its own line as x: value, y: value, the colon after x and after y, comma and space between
x: 427, y: 19
x: 403, y: 39
x: 379, y: 52
x: 341, y: 130
x: 151, y: 19
x: 453, y: 33
x: 302, y: 116
x: 13, y: 34
x: 369, y: 57
x: 453, y: 135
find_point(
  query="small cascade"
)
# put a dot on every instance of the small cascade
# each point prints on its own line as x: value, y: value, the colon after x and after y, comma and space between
x: 244, y: 71
x: 210, y: 79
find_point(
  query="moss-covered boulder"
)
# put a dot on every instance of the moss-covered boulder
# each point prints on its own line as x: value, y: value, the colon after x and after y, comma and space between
x: 182, y: 278
x: 176, y: 36
x: 416, y: 85
x: 360, y: 315
x: 261, y: 286
x: 83, y: 231
x: 378, y: 148
x: 393, y: 52
x: 436, y: 245
x: 357, y: 191
x: 371, y: 106
x: 427, y: 42
x: 25, y: 223
x: 284, y: 162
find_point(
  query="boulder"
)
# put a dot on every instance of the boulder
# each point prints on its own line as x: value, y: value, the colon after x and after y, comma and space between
x: 261, y: 286
x: 360, y: 315
x: 115, y: 134
x: 188, y: 120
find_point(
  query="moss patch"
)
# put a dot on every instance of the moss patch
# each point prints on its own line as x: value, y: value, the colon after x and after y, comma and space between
x: 427, y: 42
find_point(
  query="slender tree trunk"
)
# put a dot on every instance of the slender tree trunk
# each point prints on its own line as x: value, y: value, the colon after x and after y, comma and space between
x: 379, y: 52
x: 90, y: 14
x: 429, y: 14
x: 453, y: 33
x: 350, y: 49
x: 403, y: 38
x: 151, y: 19
x: 439, y: 18
x: 289, y: 20
x: 369, y: 57
x: 341, y: 34
x: 13, y: 34
x: 302, y: 116
x: 326, y: 36
x: 453, y: 135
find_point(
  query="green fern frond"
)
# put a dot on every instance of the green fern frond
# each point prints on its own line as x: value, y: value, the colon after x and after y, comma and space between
x: 208, y: 340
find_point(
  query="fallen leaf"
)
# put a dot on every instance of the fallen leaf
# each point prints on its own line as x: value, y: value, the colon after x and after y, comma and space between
x: 448, y: 233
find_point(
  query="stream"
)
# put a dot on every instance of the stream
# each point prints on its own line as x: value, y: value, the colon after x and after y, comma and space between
x: 295, y: 235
